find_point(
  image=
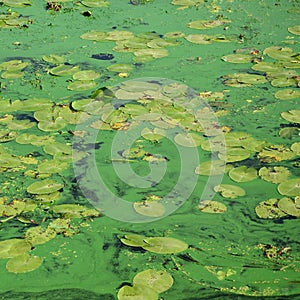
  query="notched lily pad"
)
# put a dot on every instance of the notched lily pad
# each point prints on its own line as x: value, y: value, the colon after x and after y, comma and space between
x: 13, y: 247
x: 274, y: 174
x: 149, y: 208
x: 133, y: 240
x: 164, y: 245
x: 290, y: 187
x: 287, y: 94
x: 46, y: 186
x: 23, y: 263
x: 140, y: 292
x: 213, y: 207
x: 289, y: 206
x: 229, y: 191
x: 159, y: 281
x: 243, y: 174
x: 294, y: 29
x: 292, y: 116
x: 269, y: 209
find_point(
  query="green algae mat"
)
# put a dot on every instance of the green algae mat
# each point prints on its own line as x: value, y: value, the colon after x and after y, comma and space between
x: 149, y: 149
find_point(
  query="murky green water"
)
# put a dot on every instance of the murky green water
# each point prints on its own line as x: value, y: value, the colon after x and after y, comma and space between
x: 237, y: 246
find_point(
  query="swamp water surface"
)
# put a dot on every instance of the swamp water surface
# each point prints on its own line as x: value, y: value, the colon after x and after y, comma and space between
x: 116, y: 113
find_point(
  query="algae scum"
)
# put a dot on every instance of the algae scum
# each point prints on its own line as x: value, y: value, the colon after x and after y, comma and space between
x: 149, y: 149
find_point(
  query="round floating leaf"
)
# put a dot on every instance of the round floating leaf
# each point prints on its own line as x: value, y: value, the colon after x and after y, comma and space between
x: 279, y: 53
x: 82, y: 85
x: 164, y: 245
x: 64, y: 70
x: 274, y: 174
x: 159, y: 281
x: 235, y: 154
x: 54, y: 59
x: 283, y: 82
x: 57, y: 147
x: 9, y: 160
x: 214, y: 207
x: 188, y: 139
x: 212, y: 167
x: 207, y: 24
x: 133, y: 240
x: 289, y: 207
x: 292, y: 116
x: 13, y: 247
x: 94, y: 36
x: 149, y: 208
x: 13, y: 65
x: 251, y: 78
x: 52, y: 125
x: 20, y: 125
x: 269, y: 209
x: 199, y: 38
x: 238, y: 58
x: 174, y: 35
x: 290, y: 187
x: 153, y: 134
x: 287, y: 94
x: 38, y: 235
x: 155, y: 53
x: 12, y: 74
x: 119, y: 35
x: 52, y: 166
x: 137, y: 292
x: 267, y: 67
x: 296, y: 148
x: 242, y: 174
x: 86, y: 75
x: 230, y: 191
x: 23, y: 263
x: 294, y: 29
x: 120, y: 68
x: 46, y: 186
x: 48, y: 198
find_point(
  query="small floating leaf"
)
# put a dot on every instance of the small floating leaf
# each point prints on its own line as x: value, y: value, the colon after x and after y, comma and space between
x: 149, y: 208
x: 86, y: 75
x: 238, y: 58
x: 287, y: 94
x: 279, y: 53
x: 294, y: 29
x: 289, y: 206
x: 64, y: 70
x: 269, y: 209
x: 13, y: 247
x: 82, y: 85
x: 207, y: 24
x: 213, y: 207
x: 230, y: 191
x: 153, y: 135
x: 23, y: 263
x: 54, y: 59
x: 188, y: 140
x: 274, y: 174
x: 290, y: 187
x: 137, y: 292
x: 242, y: 174
x: 133, y: 240
x: 292, y: 116
x: 164, y: 245
x: 38, y: 235
x: 296, y: 148
x: 212, y: 167
x: 120, y: 68
x: 159, y: 281
x: 46, y: 186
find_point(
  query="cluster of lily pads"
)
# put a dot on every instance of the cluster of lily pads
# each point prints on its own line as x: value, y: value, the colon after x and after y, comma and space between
x: 13, y: 20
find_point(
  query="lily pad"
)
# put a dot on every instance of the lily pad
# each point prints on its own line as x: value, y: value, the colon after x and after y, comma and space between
x: 279, y: 53
x: 229, y: 191
x: 199, y: 39
x: 164, y: 245
x: 274, y: 174
x: 46, y: 186
x: 86, y: 75
x: 292, y: 116
x: 212, y: 167
x: 120, y: 68
x: 64, y: 70
x: 269, y: 209
x: 235, y: 154
x: 159, y: 281
x: 149, y: 208
x: 290, y: 187
x: 94, y: 36
x: 289, y: 206
x: 57, y: 147
x: 13, y: 247
x: 238, y: 58
x: 13, y: 65
x: 188, y: 139
x: 73, y: 211
x: 95, y: 3
x: 243, y: 174
x: 213, y: 207
x: 52, y: 166
x: 133, y: 240
x: 38, y: 235
x: 287, y: 94
x: 207, y: 24
x: 54, y: 59
x: 17, y: 3
x: 294, y: 29
x: 137, y: 292
x: 155, y: 134
x: 296, y: 148
x: 23, y: 263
